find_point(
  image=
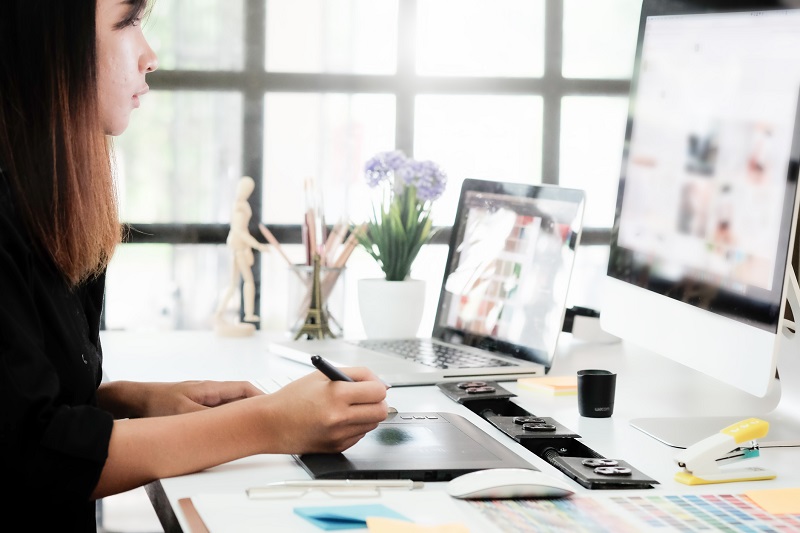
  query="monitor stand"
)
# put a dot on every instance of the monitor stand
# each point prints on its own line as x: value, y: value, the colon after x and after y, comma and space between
x: 784, y: 420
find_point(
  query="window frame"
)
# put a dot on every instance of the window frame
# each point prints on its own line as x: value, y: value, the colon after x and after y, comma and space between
x: 253, y: 82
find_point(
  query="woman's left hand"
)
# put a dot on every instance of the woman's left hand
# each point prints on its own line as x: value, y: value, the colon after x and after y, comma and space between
x: 128, y: 399
x: 188, y: 396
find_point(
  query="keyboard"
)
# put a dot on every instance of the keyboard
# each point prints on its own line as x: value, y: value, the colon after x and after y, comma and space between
x: 272, y: 384
x: 433, y: 354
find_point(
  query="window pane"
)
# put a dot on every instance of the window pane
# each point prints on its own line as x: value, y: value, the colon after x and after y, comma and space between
x: 592, y: 137
x: 349, y: 36
x: 487, y: 137
x: 327, y: 137
x: 180, y: 159
x: 197, y: 34
x: 161, y: 286
x: 480, y: 37
x: 600, y: 38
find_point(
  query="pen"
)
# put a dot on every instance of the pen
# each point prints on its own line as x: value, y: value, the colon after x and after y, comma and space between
x: 311, y: 222
x: 388, y: 483
x: 349, y: 246
x: 274, y: 242
x: 335, y: 238
x: 333, y: 373
x: 270, y: 489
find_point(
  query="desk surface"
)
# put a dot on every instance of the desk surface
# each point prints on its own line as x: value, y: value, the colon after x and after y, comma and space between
x: 647, y: 385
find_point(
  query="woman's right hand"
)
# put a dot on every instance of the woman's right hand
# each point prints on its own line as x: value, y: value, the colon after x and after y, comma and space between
x: 318, y: 415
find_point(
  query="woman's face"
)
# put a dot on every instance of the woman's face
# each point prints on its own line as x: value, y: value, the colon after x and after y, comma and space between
x: 124, y: 58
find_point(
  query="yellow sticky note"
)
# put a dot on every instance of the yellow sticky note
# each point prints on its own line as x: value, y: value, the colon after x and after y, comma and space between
x: 558, y: 385
x: 391, y: 525
x: 776, y: 501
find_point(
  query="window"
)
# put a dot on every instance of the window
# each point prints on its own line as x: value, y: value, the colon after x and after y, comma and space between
x: 282, y: 90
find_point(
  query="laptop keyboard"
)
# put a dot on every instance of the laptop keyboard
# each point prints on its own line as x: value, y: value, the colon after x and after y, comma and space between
x: 272, y: 384
x: 432, y: 354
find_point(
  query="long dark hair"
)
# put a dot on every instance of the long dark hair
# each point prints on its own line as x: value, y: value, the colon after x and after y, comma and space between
x: 53, y: 150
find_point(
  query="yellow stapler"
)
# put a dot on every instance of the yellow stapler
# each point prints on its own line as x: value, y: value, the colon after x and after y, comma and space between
x: 700, y: 462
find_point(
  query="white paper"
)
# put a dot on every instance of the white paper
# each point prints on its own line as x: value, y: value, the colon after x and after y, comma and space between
x: 235, y: 513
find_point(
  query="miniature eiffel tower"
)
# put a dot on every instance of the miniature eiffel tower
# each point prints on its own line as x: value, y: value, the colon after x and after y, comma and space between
x: 316, y: 323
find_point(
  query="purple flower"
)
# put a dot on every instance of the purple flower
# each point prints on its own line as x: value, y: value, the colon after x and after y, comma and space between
x: 383, y: 165
x: 426, y: 176
x: 401, y: 221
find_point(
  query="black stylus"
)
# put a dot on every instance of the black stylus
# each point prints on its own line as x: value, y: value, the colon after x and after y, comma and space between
x: 333, y: 373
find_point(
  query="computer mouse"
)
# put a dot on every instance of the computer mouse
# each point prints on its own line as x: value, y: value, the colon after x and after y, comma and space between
x: 507, y: 483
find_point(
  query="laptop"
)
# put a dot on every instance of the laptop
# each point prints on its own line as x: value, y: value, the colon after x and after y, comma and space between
x: 502, y: 299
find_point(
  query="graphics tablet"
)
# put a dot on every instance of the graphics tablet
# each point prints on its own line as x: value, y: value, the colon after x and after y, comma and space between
x: 416, y: 446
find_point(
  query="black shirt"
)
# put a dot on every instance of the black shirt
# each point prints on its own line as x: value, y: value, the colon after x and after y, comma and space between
x: 53, y: 437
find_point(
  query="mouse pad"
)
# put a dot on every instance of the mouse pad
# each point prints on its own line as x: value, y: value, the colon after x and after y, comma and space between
x: 416, y: 446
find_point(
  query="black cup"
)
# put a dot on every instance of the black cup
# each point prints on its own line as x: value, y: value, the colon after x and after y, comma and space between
x: 596, y: 393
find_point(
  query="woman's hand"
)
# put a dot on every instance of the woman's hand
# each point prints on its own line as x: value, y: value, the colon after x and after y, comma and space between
x: 126, y: 399
x: 311, y: 414
x: 318, y: 415
x: 188, y: 396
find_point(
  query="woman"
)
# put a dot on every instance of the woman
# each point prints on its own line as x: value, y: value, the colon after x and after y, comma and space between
x: 70, y: 74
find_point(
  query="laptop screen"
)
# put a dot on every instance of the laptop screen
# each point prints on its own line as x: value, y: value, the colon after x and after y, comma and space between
x: 508, y: 269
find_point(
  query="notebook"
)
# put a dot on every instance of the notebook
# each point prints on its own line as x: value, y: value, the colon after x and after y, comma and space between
x: 502, y: 299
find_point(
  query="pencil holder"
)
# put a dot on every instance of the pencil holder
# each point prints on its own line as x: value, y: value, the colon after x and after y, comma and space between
x: 300, y: 284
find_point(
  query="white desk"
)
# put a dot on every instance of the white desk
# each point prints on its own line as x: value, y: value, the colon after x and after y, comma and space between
x: 647, y: 385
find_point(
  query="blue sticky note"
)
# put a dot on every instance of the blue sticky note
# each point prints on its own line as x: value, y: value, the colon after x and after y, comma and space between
x: 331, y: 518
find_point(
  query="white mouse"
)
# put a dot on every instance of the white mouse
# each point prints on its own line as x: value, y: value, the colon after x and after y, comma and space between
x: 507, y: 483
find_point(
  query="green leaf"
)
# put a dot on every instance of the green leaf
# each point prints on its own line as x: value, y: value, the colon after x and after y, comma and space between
x: 399, y: 227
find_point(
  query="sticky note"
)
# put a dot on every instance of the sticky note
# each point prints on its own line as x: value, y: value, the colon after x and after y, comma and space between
x: 390, y: 525
x: 331, y: 518
x: 557, y: 385
x: 776, y: 501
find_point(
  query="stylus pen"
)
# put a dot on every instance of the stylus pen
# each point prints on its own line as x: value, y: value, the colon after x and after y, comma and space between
x: 333, y: 373
x: 371, y: 483
x: 270, y: 490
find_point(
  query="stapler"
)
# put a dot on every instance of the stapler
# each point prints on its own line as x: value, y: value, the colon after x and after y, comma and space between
x: 700, y: 463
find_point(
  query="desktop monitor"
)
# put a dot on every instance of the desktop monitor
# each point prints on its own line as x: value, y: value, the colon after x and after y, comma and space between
x: 700, y: 262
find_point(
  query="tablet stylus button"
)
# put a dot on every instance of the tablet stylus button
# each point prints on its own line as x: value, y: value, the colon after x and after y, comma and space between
x: 538, y: 427
x: 471, y: 384
x: 480, y: 390
x: 529, y: 420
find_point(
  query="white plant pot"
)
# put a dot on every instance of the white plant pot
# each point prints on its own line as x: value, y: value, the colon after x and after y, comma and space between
x: 391, y: 309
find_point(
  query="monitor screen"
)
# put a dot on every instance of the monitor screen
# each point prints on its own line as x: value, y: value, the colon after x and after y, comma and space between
x: 708, y: 184
x: 707, y: 202
x: 508, y: 271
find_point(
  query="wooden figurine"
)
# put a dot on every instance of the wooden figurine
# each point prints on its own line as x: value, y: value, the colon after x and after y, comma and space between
x: 241, y: 244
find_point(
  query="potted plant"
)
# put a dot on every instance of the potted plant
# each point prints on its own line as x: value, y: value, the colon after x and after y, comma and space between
x: 399, y: 226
